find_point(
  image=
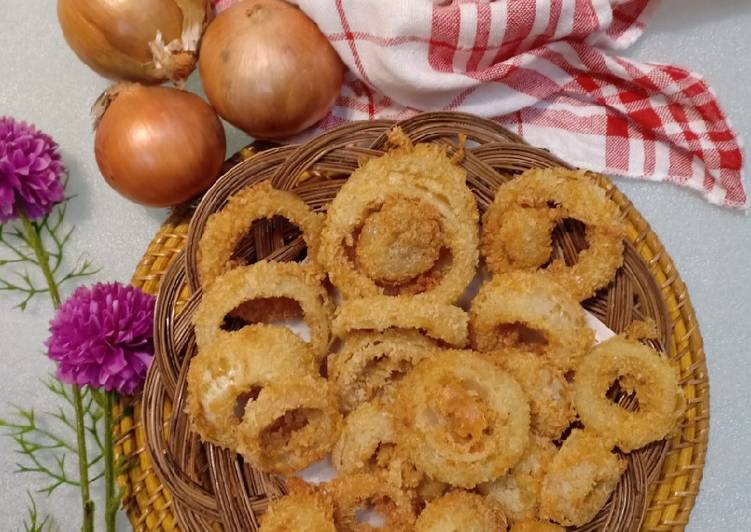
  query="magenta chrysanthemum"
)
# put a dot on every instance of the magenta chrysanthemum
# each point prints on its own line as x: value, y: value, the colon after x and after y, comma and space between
x: 30, y: 171
x: 102, y: 337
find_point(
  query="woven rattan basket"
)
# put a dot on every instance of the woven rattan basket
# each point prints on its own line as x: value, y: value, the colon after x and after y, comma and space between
x: 176, y: 482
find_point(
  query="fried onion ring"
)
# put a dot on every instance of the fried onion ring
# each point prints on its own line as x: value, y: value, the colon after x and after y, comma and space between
x: 305, y: 508
x: 226, y: 228
x: 580, y: 479
x: 637, y: 369
x: 521, y: 217
x: 237, y: 366
x: 532, y: 525
x: 371, y: 242
x: 400, y: 241
x: 368, y: 444
x: 429, y: 490
x: 446, y: 323
x: 370, y: 363
x: 460, y: 510
x: 465, y: 420
x: 361, y: 491
x: 292, y: 424
x: 365, y: 430
x: 532, y: 312
x: 531, y: 229
x: 551, y: 396
x: 645, y: 329
x: 518, y: 491
x: 266, y: 280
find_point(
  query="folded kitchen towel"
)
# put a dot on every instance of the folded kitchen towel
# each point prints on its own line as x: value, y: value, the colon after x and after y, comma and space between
x: 546, y: 69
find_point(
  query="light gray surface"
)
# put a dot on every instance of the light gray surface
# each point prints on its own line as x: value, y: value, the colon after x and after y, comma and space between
x: 41, y: 81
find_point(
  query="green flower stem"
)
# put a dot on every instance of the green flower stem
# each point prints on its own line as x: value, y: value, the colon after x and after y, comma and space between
x: 43, y: 259
x: 83, y: 463
x: 112, y: 501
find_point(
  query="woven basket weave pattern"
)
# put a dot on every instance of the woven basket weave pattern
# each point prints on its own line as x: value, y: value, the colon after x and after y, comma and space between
x: 202, y: 487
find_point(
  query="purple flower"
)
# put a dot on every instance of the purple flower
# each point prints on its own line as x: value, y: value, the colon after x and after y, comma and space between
x: 102, y: 337
x: 30, y: 171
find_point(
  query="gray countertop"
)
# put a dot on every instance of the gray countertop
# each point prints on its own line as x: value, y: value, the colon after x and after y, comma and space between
x: 42, y: 82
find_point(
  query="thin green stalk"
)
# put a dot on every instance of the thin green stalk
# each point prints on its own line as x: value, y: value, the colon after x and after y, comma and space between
x: 112, y: 501
x: 83, y: 462
x: 43, y: 259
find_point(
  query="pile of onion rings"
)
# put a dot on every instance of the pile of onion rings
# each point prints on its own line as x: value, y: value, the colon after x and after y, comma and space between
x: 386, y: 384
x: 517, y: 228
x: 403, y: 223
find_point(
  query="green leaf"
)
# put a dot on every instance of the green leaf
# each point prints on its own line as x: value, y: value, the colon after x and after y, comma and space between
x: 34, y: 521
x: 19, y: 256
x: 45, y: 442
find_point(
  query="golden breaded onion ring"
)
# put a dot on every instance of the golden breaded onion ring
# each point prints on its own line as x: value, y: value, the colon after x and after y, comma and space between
x: 368, y: 444
x: 521, y: 218
x: 465, y: 420
x: 446, y: 323
x: 365, y: 430
x: 580, y: 479
x: 551, y: 396
x: 518, y: 491
x: 532, y: 312
x: 638, y: 369
x: 532, y: 525
x: 292, y: 424
x: 266, y: 280
x: 370, y: 363
x: 238, y: 364
x: 304, y: 508
x: 422, y: 174
x: 362, y: 490
x: 461, y: 510
x: 400, y: 242
x: 225, y: 229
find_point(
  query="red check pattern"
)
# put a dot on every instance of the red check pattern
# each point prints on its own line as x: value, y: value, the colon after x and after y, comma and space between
x: 546, y: 69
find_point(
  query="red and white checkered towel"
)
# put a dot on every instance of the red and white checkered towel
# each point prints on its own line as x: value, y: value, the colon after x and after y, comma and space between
x: 543, y: 68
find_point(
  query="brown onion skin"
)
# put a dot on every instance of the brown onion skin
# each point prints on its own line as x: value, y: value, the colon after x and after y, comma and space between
x: 112, y: 36
x: 267, y: 68
x: 159, y: 146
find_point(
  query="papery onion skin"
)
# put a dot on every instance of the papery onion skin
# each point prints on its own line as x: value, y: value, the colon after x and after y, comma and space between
x: 267, y: 69
x: 115, y: 39
x: 159, y: 146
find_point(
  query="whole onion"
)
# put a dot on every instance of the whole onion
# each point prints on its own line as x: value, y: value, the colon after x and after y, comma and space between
x: 136, y: 40
x: 158, y: 146
x: 267, y: 68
